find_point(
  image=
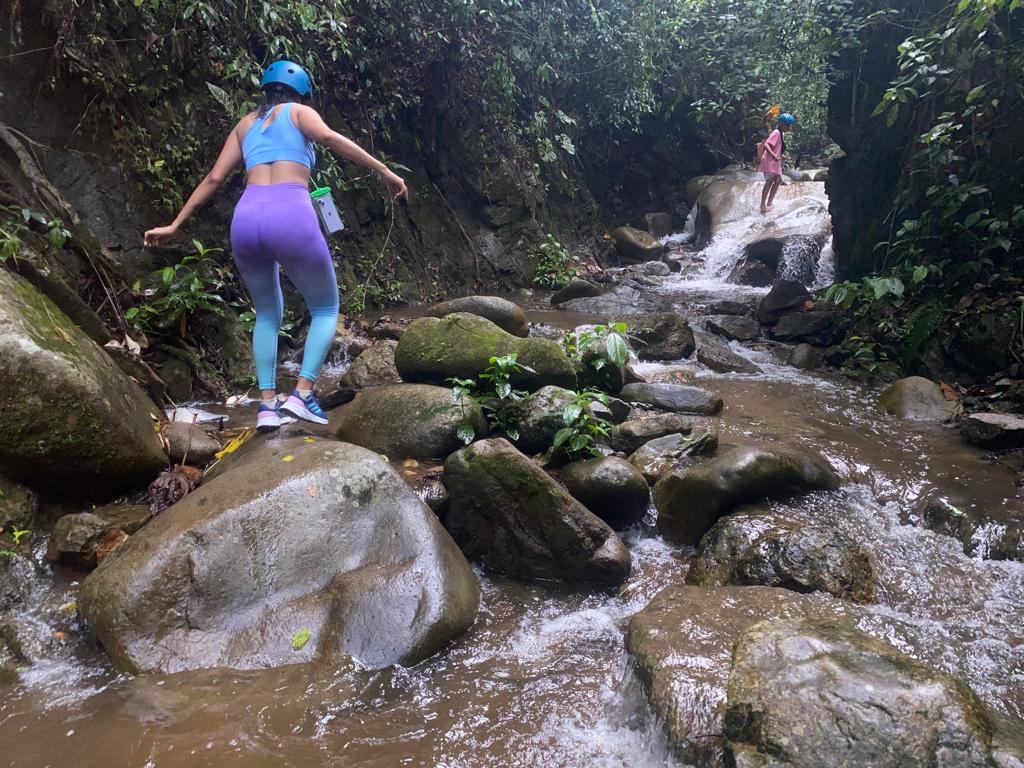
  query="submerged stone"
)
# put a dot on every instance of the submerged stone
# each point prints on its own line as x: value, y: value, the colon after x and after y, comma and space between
x: 674, y: 397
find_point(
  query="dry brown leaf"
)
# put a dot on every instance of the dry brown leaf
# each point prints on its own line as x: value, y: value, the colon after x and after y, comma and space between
x: 111, y: 540
x: 948, y: 392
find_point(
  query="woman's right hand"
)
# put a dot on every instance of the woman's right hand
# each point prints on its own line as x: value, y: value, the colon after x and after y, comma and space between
x: 395, y: 184
x: 160, y: 235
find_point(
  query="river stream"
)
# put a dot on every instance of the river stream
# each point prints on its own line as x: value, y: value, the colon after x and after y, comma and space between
x: 543, y: 679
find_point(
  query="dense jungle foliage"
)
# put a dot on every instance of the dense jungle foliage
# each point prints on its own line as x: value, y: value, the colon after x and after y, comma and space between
x: 531, y: 101
x: 947, y: 260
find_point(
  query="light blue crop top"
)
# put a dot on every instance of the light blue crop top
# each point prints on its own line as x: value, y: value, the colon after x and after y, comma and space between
x: 280, y: 140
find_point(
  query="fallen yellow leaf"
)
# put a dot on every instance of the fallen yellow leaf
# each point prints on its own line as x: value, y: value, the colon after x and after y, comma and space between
x: 235, y: 444
x: 307, y: 439
x: 288, y: 458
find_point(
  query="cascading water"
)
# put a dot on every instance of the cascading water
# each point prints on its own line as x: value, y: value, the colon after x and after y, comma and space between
x: 799, y: 222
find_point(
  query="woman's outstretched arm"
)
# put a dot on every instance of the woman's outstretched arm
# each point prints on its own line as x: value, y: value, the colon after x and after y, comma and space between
x: 314, y: 128
x: 230, y: 157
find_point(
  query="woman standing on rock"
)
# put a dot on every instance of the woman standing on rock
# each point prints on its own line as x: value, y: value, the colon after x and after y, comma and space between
x: 275, y: 225
x: 771, y: 160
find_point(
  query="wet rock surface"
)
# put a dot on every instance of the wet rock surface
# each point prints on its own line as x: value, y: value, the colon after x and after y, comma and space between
x: 633, y: 433
x: 660, y: 336
x: 373, y: 367
x: 73, y: 423
x: 77, y: 539
x: 505, y: 314
x: 288, y: 535
x: 806, y: 692
x: 662, y: 455
x: 682, y: 644
x: 714, y: 354
x: 610, y: 487
x: 806, y: 357
x: 190, y: 442
x: 733, y: 327
x: 506, y: 512
x: 815, y: 327
x: 635, y: 245
x: 690, y: 501
x: 432, y: 350
x: 784, y: 297
x: 673, y: 397
x: 539, y: 416
x: 576, y: 289
x: 400, y: 421
x: 993, y: 430
x: 751, y: 548
x: 916, y: 398
x: 19, y: 506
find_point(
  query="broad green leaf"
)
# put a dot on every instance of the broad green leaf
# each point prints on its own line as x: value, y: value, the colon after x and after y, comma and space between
x: 561, y: 436
x: 618, y: 351
x: 466, y: 433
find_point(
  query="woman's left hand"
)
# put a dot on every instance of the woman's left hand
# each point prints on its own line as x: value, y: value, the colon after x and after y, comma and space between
x: 395, y: 184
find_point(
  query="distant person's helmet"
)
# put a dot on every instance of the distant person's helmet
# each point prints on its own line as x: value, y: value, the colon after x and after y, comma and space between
x: 287, y: 73
x: 786, y: 119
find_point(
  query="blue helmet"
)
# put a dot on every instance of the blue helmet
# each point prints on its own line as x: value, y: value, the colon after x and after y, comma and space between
x: 786, y: 119
x: 287, y: 73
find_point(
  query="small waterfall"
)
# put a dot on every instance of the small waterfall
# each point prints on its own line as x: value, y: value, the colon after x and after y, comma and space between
x: 688, y: 234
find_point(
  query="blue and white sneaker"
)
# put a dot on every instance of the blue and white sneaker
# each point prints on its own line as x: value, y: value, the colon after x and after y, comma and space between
x: 308, y: 410
x: 268, y: 418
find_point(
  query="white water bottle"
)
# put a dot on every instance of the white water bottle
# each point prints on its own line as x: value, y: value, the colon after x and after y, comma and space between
x: 326, y: 210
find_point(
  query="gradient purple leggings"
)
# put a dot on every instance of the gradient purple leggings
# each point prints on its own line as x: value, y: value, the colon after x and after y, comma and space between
x: 275, y: 226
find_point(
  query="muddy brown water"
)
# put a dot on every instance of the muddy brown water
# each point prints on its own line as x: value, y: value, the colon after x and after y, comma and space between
x: 542, y: 679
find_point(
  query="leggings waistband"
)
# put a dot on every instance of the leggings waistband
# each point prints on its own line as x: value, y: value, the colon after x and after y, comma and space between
x: 275, y: 193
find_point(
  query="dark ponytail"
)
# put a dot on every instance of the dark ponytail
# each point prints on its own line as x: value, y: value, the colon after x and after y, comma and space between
x: 277, y: 94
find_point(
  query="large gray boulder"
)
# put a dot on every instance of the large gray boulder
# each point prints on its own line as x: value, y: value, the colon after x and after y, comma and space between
x: 817, y: 327
x: 681, y: 644
x: 373, y: 367
x: 503, y: 313
x: 807, y: 692
x: 73, y: 423
x: 673, y: 397
x: 610, y: 487
x: 769, y: 550
x: 433, y: 350
x: 690, y: 501
x: 190, y: 443
x: 660, y: 335
x: 508, y: 513
x: 286, y: 537
x: 993, y: 430
x: 916, y: 398
x: 408, y: 421
x: 636, y: 246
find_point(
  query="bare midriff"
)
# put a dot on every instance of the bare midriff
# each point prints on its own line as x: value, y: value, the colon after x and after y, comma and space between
x: 278, y: 172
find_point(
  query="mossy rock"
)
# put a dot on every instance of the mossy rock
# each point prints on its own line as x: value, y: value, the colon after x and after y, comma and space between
x: 408, y: 421
x: 433, y: 350
x: 73, y: 423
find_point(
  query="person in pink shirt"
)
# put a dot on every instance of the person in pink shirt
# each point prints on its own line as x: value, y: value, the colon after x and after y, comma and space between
x: 771, y: 160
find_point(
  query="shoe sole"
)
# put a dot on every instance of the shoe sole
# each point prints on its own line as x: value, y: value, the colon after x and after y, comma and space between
x: 300, y: 411
x: 268, y: 423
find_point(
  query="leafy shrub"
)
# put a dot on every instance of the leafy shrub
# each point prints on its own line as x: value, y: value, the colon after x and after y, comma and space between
x: 494, y: 392
x: 174, y: 293
x: 610, y: 342
x: 583, y: 431
x: 555, y: 265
